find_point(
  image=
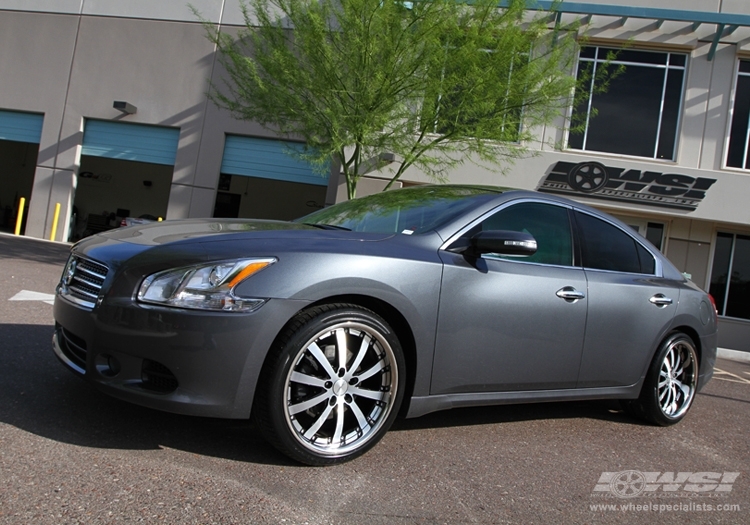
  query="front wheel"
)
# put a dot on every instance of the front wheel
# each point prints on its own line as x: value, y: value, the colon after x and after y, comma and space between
x: 333, y: 385
x: 671, y: 383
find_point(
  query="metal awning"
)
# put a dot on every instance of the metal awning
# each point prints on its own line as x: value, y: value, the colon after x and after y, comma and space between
x: 714, y: 27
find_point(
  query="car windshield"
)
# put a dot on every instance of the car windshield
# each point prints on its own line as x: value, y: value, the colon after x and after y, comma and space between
x: 407, y: 211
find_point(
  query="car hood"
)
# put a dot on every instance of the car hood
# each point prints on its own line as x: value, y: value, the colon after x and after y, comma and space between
x: 207, y: 230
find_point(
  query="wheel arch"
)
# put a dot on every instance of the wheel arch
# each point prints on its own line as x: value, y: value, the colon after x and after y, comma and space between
x: 395, y: 319
x: 648, y: 405
x: 671, y: 332
x: 692, y: 334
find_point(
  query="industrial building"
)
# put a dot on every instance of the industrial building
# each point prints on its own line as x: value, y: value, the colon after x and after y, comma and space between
x: 103, y: 110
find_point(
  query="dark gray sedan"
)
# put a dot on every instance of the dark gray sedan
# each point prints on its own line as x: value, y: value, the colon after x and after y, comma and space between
x: 326, y: 328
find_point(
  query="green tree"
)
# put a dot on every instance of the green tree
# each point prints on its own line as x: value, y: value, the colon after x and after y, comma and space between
x: 429, y: 84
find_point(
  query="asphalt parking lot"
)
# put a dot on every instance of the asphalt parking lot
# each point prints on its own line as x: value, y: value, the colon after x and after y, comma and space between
x: 69, y: 454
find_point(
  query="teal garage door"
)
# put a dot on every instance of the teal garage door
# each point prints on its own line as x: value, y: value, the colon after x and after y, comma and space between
x: 21, y: 127
x: 126, y: 141
x: 267, y: 159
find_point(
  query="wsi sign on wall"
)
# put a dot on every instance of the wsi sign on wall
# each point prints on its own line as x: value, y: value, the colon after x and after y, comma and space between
x: 594, y: 179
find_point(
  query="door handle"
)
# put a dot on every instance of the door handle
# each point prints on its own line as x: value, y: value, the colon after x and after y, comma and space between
x: 570, y: 294
x: 660, y: 300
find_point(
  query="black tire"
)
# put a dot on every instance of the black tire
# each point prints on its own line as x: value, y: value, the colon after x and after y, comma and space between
x: 671, y: 382
x: 321, y: 406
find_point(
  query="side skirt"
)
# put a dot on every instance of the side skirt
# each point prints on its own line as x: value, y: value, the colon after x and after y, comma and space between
x: 420, y: 406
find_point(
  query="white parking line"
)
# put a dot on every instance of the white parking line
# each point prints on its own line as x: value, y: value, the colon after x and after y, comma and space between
x: 732, y: 378
x: 28, y: 295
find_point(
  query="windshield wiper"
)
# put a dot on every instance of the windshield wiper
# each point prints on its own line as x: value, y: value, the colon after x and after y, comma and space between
x: 323, y: 226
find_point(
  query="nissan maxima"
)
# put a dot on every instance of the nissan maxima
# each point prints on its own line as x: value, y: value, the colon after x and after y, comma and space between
x: 324, y: 329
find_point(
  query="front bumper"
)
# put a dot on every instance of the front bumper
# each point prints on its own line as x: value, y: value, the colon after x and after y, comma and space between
x: 182, y: 361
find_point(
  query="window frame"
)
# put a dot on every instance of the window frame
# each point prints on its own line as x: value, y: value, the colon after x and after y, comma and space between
x: 734, y: 233
x: 464, y: 231
x: 658, y: 267
x: 730, y: 120
x: 665, y: 67
x: 576, y: 237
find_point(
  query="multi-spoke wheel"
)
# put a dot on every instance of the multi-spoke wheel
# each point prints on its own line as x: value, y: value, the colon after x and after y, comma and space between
x: 671, y: 382
x: 333, y: 387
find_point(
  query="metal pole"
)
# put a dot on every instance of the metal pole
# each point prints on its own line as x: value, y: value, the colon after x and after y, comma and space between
x: 54, y: 222
x: 21, y: 205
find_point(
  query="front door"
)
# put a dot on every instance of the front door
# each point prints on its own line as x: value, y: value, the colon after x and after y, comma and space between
x: 512, y: 324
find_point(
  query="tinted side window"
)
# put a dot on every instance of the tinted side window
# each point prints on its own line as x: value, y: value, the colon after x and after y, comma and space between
x: 606, y: 247
x: 648, y: 264
x: 548, y: 224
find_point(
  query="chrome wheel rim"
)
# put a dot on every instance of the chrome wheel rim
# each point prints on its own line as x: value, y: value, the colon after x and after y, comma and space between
x: 677, y: 379
x: 340, y: 389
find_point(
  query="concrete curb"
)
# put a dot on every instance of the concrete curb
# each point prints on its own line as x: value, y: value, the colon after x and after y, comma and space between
x: 734, y: 355
x: 37, y: 239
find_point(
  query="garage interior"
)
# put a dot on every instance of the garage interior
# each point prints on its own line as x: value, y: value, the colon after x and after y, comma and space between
x: 111, y: 189
x: 17, y: 167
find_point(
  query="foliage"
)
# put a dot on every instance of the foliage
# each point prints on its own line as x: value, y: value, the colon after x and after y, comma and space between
x: 431, y: 83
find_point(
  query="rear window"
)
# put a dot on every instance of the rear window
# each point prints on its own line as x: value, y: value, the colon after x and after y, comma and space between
x: 606, y: 247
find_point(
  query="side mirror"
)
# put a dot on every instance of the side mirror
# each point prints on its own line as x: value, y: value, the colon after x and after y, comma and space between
x: 503, y: 242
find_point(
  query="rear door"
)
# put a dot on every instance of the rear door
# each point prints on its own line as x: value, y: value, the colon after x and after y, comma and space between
x: 630, y: 306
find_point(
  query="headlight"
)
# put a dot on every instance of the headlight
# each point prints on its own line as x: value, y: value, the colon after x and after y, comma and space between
x: 204, y: 287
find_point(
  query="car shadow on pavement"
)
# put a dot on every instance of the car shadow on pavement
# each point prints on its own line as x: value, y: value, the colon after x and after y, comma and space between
x: 38, y: 395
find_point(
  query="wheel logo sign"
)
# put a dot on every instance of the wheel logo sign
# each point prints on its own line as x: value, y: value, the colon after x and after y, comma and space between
x: 628, y: 484
x: 588, y: 177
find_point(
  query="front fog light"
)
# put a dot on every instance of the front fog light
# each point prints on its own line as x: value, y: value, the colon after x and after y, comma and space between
x: 204, y: 287
x: 107, y: 365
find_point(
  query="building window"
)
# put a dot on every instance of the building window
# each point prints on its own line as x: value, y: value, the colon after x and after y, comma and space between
x: 737, y: 157
x: 730, y: 276
x: 638, y: 112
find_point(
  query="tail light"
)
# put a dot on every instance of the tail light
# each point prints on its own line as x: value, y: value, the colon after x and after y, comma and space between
x: 716, y: 310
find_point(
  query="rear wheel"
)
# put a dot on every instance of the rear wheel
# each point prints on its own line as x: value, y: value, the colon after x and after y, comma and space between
x: 333, y: 385
x: 671, y: 383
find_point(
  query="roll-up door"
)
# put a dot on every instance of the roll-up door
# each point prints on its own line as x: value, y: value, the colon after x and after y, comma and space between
x: 21, y: 127
x: 126, y: 141
x: 267, y: 159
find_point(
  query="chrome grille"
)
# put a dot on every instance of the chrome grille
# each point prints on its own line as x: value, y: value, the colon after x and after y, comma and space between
x: 82, y: 281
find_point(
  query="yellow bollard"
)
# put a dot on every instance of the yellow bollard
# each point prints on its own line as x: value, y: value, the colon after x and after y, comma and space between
x: 54, y: 222
x: 21, y: 205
